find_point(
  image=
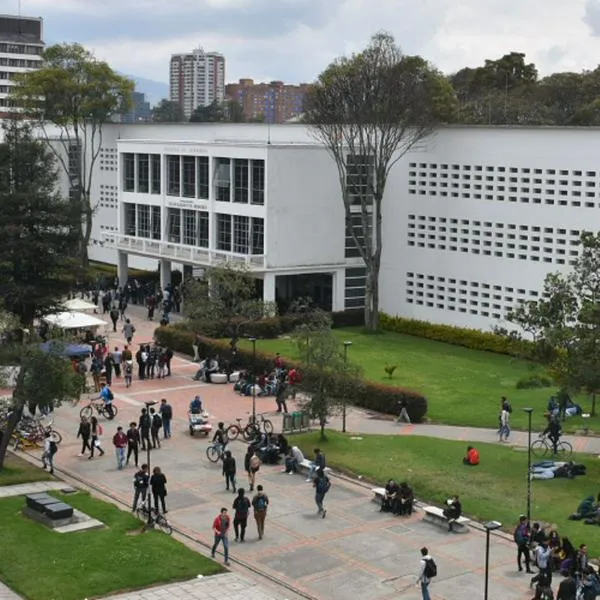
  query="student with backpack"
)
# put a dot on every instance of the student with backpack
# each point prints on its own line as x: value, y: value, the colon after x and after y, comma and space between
x: 260, y: 502
x: 155, y: 427
x: 427, y: 571
x: 50, y: 449
x: 522, y: 537
x: 322, y: 484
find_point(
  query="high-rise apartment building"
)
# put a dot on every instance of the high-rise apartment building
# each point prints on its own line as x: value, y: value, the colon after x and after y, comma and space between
x: 140, y: 111
x: 21, y: 47
x: 275, y: 102
x: 197, y: 79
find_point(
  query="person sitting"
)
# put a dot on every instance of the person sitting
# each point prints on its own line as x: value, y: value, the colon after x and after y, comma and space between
x: 283, y: 444
x: 538, y: 535
x: 406, y: 499
x: 472, y: 457
x: 587, y: 509
x: 196, y: 406
x: 293, y: 459
x: 568, y: 556
x: 453, y: 511
x: 390, y: 498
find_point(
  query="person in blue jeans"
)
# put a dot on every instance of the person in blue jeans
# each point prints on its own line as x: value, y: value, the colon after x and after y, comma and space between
x: 221, y: 529
x: 318, y: 463
x: 427, y: 570
x: 166, y: 413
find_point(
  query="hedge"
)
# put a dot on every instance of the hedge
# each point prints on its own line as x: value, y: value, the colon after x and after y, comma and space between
x: 469, y: 338
x: 366, y: 394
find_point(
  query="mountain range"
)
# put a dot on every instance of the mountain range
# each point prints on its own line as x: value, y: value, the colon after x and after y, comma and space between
x: 155, y: 91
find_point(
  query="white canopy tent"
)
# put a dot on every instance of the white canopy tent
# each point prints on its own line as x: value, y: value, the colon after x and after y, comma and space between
x: 78, y: 304
x: 73, y: 320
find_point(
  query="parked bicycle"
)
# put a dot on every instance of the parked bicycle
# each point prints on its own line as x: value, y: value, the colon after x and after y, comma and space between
x: 153, y: 518
x: 255, y: 426
x: 543, y: 447
x: 234, y: 431
x: 99, y: 407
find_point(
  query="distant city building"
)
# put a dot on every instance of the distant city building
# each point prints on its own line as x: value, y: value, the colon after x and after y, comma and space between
x: 197, y: 79
x: 21, y: 47
x: 140, y: 110
x: 276, y: 101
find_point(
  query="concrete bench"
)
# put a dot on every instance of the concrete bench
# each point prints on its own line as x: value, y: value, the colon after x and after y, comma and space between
x: 435, y: 515
x: 305, y: 466
x: 218, y: 378
x: 378, y: 495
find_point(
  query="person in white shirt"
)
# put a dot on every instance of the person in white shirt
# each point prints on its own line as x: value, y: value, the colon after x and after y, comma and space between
x: 504, y: 425
x: 49, y: 452
x: 425, y: 573
x: 543, y: 555
x: 292, y: 460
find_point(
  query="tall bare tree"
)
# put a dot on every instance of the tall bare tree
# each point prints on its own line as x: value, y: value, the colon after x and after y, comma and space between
x: 76, y: 93
x: 368, y: 111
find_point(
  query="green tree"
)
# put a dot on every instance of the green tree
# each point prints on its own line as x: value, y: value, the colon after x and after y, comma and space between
x: 368, y: 111
x: 39, y: 232
x: 167, y: 111
x: 213, y: 113
x: 234, y: 111
x: 76, y: 93
x: 43, y: 379
x: 226, y: 297
x: 565, y: 322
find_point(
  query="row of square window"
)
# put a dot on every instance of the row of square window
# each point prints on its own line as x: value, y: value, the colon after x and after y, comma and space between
x: 452, y: 308
x: 415, y: 287
x: 474, y: 284
x: 423, y: 178
x: 492, y: 169
x: 442, y: 298
x: 520, y: 199
x: 523, y: 237
x: 513, y: 189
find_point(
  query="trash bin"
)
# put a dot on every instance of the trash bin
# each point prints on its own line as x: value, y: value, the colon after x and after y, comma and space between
x: 296, y: 420
x: 305, y: 421
x: 288, y: 422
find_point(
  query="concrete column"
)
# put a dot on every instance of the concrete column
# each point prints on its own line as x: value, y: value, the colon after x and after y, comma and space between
x: 122, y: 267
x: 165, y: 273
x: 338, y: 288
x: 269, y: 287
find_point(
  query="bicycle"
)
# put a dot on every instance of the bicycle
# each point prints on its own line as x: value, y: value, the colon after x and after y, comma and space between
x: 215, y: 452
x: 254, y: 425
x: 153, y: 518
x: 100, y: 408
x: 543, y: 446
x: 237, y: 429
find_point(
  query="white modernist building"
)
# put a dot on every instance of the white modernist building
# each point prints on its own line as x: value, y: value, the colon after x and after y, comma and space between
x: 473, y: 219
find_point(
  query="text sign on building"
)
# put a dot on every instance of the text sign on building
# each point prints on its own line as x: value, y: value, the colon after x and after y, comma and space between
x: 188, y: 203
x: 185, y: 150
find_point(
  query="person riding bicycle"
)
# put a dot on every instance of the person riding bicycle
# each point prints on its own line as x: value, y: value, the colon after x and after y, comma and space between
x: 196, y: 406
x: 553, y: 431
x: 107, y: 397
x: 220, y: 438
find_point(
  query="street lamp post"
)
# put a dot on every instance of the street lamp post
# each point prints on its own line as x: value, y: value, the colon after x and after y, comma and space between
x: 528, y: 411
x: 148, y: 494
x: 489, y: 526
x: 253, y: 340
x: 346, y: 345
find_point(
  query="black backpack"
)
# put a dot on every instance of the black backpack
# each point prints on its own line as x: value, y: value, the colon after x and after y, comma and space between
x: 53, y: 447
x: 430, y: 568
x: 156, y: 421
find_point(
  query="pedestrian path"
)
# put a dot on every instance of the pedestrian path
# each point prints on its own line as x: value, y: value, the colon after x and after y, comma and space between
x: 23, y: 489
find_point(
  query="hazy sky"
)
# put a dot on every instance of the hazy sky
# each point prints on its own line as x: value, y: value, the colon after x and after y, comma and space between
x: 294, y: 40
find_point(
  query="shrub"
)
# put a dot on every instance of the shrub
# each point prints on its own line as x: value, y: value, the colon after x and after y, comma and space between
x: 366, y: 394
x: 389, y: 370
x: 469, y: 338
x: 534, y: 381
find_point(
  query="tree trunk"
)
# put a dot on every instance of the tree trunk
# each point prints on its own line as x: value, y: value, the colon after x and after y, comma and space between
x: 593, y: 411
x: 15, y: 417
x: 86, y: 228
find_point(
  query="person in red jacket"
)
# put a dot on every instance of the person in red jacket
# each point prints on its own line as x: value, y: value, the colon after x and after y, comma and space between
x: 120, y: 444
x: 221, y: 529
x: 472, y: 458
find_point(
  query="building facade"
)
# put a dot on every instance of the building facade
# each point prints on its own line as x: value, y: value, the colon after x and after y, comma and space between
x: 197, y: 79
x: 140, y: 110
x: 21, y: 47
x: 274, y: 102
x: 473, y: 219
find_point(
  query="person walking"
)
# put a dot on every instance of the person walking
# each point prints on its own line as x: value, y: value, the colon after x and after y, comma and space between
x: 251, y: 465
x: 114, y: 317
x: 140, y: 486
x: 403, y: 416
x: 543, y: 556
x: 128, y: 330
x: 504, y: 422
x: 522, y: 537
x: 319, y: 463
x: 155, y: 427
x: 133, y: 443
x: 144, y: 425
x: 117, y: 359
x: 221, y: 529
x: 50, y: 449
x: 120, y: 442
x: 158, y: 485
x: 322, y: 485
x: 96, y: 431
x: 260, y: 502
x: 427, y: 570
x: 128, y: 372
x: 84, y: 432
x: 241, y: 506
x: 166, y: 413
x: 229, y: 470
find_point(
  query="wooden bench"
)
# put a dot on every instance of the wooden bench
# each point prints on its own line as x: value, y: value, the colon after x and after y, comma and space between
x: 435, y: 515
x: 378, y: 495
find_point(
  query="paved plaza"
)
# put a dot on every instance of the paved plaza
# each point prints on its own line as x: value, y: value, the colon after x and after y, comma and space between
x: 356, y: 552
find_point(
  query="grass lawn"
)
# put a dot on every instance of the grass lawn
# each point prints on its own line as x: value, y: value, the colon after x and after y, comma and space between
x: 462, y: 386
x: 17, y: 470
x: 40, y: 564
x: 496, y: 489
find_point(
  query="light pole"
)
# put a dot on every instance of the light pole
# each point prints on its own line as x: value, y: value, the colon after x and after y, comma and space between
x: 148, y: 495
x: 489, y: 526
x: 528, y: 411
x: 253, y: 340
x: 346, y: 345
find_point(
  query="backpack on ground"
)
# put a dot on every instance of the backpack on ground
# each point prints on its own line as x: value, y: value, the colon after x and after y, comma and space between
x: 430, y: 568
x: 53, y: 447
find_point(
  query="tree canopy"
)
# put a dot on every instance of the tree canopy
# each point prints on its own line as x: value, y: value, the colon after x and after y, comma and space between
x: 167, y: 111
x: 38, y: 229
x: 78, y: 94
x: 229, y: 111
